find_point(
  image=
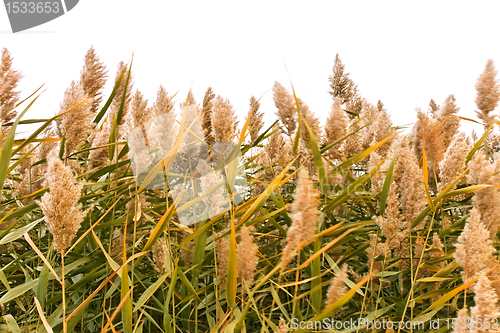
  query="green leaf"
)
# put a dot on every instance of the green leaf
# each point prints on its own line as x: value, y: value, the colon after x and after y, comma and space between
x: 18, y: 291
x: 146, y: 295
x: 6, y: 150
x: 126, y: 309
x: 12, y: 324
x: 18, y: 233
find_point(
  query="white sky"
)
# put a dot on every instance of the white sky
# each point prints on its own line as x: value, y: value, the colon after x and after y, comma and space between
x: 403, y: 54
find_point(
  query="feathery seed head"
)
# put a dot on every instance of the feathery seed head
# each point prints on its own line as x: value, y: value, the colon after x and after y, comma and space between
x: 75, y: 125
x: 486, y: 309
x: 337, y: 287
x: 63, y: 213
x: 161, y: 256
x: 335, y: 127
x: 223, y: 120
x: 474, y: 250
x: 255, y: 124
x: 285, y: 104
x: 9, y: 79
x: 488, y: 93
x: 247, y: 256
x: 163, y: 103
x: 93, y: 77
x: 305, y: 215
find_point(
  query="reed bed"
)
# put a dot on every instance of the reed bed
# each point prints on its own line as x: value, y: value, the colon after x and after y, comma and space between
x: 356, y: 219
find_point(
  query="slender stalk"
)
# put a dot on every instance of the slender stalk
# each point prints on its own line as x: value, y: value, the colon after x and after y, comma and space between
x: 65, y: 324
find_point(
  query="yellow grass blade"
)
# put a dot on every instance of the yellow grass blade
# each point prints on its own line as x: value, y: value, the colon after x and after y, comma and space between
x: 42, y: 316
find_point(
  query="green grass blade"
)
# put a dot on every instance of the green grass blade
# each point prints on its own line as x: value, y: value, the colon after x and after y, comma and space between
x: 387, y: 186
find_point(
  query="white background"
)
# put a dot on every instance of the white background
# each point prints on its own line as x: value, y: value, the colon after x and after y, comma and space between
x: 403, y: 53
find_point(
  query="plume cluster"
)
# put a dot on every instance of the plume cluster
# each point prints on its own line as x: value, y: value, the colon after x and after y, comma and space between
x: 488, y: 93
x: 117, y: 101
x: 285, y: 104
x: 486, y: 200
x: 93, y: 78
x: 222, y: 244
x: 206, y: 114
x: 75, y: 125
x: 335, y: 128
x: 450, y: 123
x: 255, y: 124
x: 474, y: 250
x: 453, y: 163
x: 305, y: 215
x: 486, y: 309
x: 161, y: 256
x: 337, y: 287
x: 62, y: 212
x: 247, y: 256
x: 392, y: 225
x: 223, y: 120
x: 9, y: 79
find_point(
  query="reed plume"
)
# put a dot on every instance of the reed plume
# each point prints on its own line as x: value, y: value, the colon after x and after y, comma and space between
x: 93, y: 78
x: 187, y: 250
x: 343, y: 87
x: 161, y: 256
x: 285, y: 104
x: 337, y: 287
x: 75, y: 125
x: 223, y: 120
x: 450, y: 123
x: 99, y: 156
x: 278, y: 147
x: 207, y: 115
x: 462, y: 317
x: 62, y: 212
x: 427, y: 131
x: 335, y: 128
x: 311, y: 121
x: 283, y: 327
x: 411, y: 185
x: 486, y: 309
x: 161, y: 133
x: 438, y: 246
x: 190, y: 100
x: 453, y: 163
x: 139, y: 111
x: 255, y: 124
x: 392, y: 225
x: 217, y: 200
x: 488, y: 93
x: 474, y: 250
x: 487, y: 200
x: 9, y: 80
x: 222, y: 245
x: 247, y: 257
x: 305, y: 215
x: 163, y: 103
x: 117, y: 244
x: 194, y: 139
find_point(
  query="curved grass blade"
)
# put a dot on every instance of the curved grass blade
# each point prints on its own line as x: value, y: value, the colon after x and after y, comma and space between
x: 387, y: 185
